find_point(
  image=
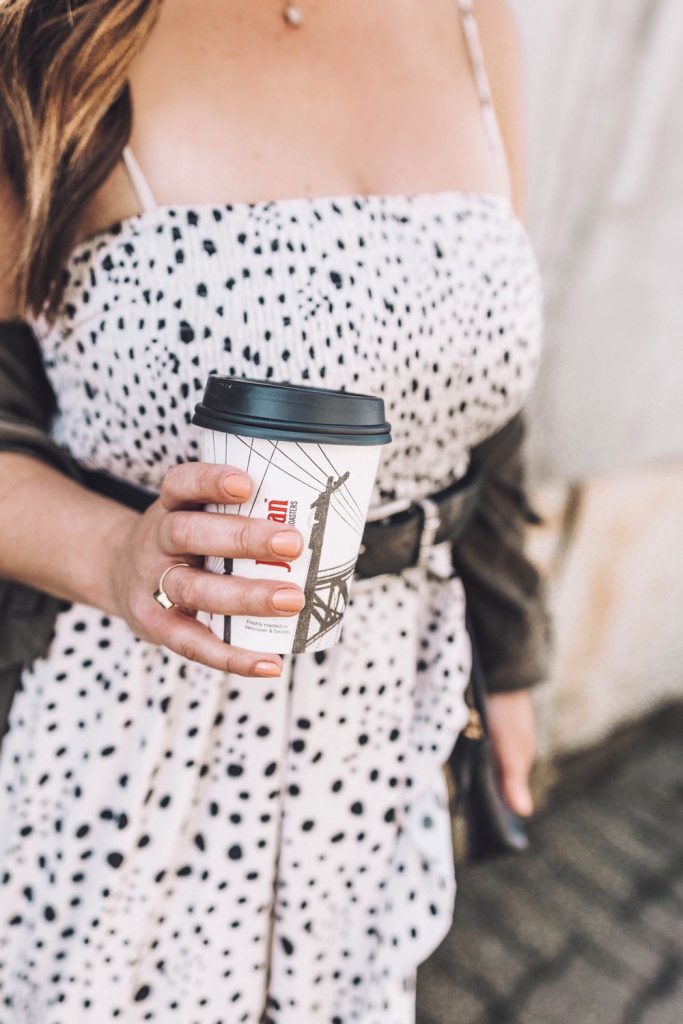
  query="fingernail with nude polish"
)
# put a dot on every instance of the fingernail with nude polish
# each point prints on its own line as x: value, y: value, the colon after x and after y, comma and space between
x: 288, y: 600
x: 286, y: 542
x: 267, y: 668
x: 237, y: 485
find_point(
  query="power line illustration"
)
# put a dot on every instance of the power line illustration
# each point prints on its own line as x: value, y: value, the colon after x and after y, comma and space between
x: 354, y: 512
x: 314, y: 483
x: 326, y: 593
x: 359, y: 510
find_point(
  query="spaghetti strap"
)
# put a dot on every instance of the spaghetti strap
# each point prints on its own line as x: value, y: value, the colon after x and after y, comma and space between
x: 481, y: 79
x: 138, y: 180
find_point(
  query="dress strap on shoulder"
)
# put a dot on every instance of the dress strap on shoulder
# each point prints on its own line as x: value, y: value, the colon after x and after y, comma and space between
x: 483, y: 86
x: 138, y: 180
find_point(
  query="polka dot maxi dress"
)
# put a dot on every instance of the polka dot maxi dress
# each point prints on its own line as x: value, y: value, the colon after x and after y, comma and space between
x: 183, y: 844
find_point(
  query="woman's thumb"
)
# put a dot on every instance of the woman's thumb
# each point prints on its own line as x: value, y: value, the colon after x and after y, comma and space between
x: 517, y: 793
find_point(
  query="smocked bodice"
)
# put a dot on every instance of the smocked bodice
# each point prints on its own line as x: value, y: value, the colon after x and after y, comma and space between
x: 431, y: 300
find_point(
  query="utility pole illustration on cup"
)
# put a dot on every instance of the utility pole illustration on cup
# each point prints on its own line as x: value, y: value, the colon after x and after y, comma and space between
x: 312, y: 455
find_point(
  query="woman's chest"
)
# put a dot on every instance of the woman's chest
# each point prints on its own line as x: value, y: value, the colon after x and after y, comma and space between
x: 229, y: 101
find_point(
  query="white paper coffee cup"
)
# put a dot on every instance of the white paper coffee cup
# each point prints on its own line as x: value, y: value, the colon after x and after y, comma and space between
x: 312, y: 455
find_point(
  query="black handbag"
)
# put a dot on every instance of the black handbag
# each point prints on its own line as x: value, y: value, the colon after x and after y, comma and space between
x: 477, y: 802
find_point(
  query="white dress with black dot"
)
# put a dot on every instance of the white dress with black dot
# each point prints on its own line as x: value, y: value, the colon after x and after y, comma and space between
x: 183, y: 844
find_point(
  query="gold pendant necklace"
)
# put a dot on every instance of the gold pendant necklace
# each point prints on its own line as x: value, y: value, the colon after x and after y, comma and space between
x: 293, y: 15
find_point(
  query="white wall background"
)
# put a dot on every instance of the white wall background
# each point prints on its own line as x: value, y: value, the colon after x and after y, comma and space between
x: 605, y: 101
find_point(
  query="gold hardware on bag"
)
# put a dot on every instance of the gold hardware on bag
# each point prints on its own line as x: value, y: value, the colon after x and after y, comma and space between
x: 474, y: 730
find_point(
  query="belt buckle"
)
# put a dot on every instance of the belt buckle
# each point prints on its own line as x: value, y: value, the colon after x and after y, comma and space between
x: 431, y: 521
x: 430, y: 524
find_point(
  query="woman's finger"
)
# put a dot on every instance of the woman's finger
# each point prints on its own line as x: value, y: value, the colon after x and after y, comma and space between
x: 201, y: 483
x: 513, y: 733
x: 227, y: 536
x: 231, y: 595
x: 194, y: 641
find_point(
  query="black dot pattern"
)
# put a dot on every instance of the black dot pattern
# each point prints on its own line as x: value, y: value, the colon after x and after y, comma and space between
x: 430, y: 300
x: 182, y: 844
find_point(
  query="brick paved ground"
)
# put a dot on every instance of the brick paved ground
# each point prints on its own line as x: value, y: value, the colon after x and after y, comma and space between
x: 588, y: 927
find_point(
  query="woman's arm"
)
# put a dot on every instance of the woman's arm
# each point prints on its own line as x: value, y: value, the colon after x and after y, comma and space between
x: 59, y: 537
x: 55, y: 535
x: 48, y: 525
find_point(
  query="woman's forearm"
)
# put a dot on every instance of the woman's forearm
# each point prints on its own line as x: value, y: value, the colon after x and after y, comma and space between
x: 56, y: 535
x: 61, y: 538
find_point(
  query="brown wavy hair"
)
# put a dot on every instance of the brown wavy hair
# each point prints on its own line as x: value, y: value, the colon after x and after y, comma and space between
x: 65, y: 116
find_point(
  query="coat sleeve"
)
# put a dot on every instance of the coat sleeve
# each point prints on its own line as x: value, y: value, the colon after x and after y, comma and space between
x: 506, y: 596
x: 27, y: 401
x: 27, y: 407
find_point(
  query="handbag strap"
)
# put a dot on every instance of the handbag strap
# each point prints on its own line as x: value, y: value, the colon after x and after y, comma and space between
x: 477, y: 728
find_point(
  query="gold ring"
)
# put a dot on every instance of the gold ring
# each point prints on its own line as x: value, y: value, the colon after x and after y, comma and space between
x: 160, y: 594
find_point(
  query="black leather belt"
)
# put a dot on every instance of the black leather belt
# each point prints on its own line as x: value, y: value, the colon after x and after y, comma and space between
x: 389, y: 545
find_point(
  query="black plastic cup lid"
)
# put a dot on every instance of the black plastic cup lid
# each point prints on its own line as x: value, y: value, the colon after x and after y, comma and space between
x: 291, y: 412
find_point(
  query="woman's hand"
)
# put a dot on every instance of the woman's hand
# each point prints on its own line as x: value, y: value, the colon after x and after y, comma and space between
x: 176, y: 529
x: 512, y: 726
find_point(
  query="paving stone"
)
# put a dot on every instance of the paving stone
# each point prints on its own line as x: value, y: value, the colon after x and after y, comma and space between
x: 483, y: 952
x: 617, y: 828
x: 677, y: 892
x: 448, y: 1000
x: 651, y: 778
x: 665, y: 918
x: 666, y: 1009
x: 611, y: 937
x: 661, y: 998
x: 589, y: 919
x: 665, y: 828
x: 588, y: 852
x: 581, y: 995
x: 525, y: 916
